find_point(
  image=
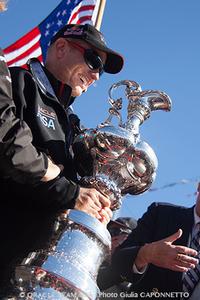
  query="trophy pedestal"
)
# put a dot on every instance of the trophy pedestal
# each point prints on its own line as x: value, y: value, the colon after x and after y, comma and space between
x: 68, y: 268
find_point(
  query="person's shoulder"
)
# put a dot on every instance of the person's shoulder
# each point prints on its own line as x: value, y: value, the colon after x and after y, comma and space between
x: 166, y: 206
x: 18, y: 70
x: 20, y: 75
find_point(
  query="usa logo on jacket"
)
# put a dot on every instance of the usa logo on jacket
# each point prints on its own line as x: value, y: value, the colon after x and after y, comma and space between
x: 46, y: 117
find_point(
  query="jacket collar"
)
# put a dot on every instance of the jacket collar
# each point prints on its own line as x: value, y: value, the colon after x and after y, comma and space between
x: 188, y: 220
x: 49, y: 85
x: 185, y: 222
x: 61, y: 90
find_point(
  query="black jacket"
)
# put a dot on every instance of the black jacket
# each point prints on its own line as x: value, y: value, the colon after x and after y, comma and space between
x: 16, y: 138
x: 27, y: 211
x: 160, y: 221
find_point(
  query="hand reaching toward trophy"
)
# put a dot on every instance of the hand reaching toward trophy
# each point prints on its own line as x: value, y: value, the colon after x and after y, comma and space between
x: 95, y: 204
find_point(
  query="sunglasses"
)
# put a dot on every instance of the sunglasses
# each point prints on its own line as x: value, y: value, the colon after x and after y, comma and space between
x: 91, y: 57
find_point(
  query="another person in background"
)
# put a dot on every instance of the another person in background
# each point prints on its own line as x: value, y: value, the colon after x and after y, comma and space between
x: 119, y: 230
x: 161, y: 254
x: 75, y: 59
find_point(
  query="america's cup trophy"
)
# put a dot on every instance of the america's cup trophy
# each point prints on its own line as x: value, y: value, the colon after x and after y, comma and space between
x: 115, y: 161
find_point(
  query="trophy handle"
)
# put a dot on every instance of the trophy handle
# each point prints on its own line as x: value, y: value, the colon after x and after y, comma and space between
x: 131, y: 86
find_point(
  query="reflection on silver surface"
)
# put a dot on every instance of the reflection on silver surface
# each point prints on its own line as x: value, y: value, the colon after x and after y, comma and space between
x: 115, y: 161
x: 68, y: 268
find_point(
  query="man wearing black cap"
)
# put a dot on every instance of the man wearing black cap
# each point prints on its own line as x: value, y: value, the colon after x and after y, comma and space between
x: 75, y: 59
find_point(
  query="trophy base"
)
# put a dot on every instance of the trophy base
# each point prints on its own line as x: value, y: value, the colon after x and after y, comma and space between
x: 68, y: 267
x: 39, y: 284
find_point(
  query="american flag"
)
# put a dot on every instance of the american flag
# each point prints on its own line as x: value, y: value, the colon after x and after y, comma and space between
x: 35, y: 42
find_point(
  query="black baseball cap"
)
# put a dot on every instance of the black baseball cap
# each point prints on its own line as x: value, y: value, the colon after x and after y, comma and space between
x: 123, y: 222
x: 92, y: 36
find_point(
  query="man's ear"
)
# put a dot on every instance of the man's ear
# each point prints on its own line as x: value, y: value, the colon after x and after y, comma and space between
x: 61, y: 46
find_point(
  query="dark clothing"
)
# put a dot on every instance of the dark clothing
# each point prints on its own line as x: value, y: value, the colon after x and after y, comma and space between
x: 27, y: 212
x: 160, y: 221
x: 18, y: 157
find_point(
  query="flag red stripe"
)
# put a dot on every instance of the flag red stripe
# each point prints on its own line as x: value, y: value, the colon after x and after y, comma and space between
x: 83, y: 8
x: 24, y: 54
x: 23, y: 41
x: 28, y: 46
x: 83, y: 19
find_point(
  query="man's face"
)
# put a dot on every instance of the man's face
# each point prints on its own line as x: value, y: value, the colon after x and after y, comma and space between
x: 73, y: 69
x: 198, y: 201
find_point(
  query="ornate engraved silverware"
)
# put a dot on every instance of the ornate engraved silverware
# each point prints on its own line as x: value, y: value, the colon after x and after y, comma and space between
x: 114, y: 159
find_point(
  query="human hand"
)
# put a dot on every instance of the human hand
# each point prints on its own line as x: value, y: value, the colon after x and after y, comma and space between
x: 95, y: 204
x: 166, y: 255
x: 52, y: 172
x: 106, y: 215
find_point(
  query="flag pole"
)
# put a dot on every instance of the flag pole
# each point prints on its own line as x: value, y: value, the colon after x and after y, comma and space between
x: 100, y: 14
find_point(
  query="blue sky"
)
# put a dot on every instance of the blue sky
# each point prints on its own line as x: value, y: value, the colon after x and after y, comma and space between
x: 160, y: 42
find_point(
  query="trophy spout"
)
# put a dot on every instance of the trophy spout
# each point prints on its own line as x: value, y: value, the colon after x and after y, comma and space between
x: 141, y: 104
x: 156, y: 100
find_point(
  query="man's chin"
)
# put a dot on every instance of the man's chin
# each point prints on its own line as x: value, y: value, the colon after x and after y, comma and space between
x: 78, y: 92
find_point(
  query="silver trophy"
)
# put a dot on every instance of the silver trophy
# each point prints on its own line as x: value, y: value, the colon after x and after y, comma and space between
x: 115, y: 161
